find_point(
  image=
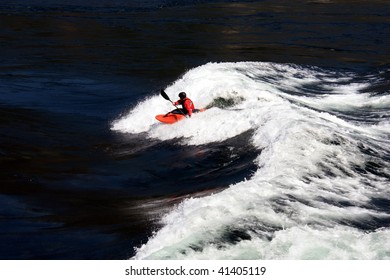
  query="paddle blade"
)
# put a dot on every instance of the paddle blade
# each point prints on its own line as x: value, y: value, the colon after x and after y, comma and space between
x: 165, y: 95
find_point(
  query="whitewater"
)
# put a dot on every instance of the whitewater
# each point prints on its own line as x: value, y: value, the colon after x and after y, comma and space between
x: 321, y: 187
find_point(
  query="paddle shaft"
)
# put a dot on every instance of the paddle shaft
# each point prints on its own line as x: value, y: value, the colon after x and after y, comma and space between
x: 165, y: 95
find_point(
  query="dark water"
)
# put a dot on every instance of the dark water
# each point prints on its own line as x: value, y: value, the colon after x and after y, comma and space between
x: 71, y: 188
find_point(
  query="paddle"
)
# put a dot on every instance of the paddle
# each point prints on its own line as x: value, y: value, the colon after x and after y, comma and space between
x: 165, y: 95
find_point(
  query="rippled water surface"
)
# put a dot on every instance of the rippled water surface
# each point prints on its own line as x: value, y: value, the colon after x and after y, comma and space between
x: 294, y: 145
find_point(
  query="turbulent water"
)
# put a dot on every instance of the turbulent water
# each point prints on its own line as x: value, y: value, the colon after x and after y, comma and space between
x: 290, y: 160
x: 321, y: 185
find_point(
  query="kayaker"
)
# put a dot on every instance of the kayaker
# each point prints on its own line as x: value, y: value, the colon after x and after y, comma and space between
x: 187, y: 105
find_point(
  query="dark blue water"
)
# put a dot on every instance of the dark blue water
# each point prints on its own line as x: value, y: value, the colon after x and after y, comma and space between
x: 74, y: 188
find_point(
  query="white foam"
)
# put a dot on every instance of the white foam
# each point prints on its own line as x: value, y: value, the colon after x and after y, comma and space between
x: 302, y: 243
x: 307, y: 188
x: 203, y: 85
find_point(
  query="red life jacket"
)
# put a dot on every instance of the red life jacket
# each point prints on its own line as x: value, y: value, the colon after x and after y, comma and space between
x: 187, y: 105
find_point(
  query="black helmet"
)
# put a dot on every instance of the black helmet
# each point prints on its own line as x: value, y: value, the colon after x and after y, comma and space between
x: 182, y: 95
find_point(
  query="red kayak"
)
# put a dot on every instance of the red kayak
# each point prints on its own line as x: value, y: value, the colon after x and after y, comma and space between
x: 174, y: 116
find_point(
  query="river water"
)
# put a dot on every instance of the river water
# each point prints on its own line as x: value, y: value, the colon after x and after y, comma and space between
x: 290, y: 161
